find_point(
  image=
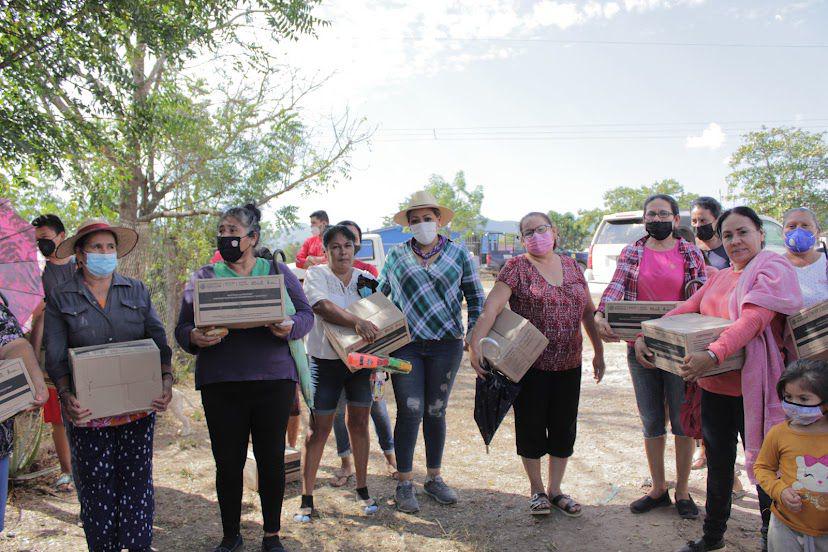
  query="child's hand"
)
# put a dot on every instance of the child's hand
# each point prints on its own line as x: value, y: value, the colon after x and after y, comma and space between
x: 792, y: 500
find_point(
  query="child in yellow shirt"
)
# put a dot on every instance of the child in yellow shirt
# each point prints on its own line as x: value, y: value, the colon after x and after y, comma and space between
x: 797, y: 450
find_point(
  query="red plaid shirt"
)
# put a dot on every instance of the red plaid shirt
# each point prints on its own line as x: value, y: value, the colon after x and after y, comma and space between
x: 624, y: 284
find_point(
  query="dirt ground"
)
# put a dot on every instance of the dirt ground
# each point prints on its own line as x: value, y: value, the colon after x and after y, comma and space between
x: 605, y: 475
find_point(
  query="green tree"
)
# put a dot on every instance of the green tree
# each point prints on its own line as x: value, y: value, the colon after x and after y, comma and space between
x: 457, y: 196
x: 627, y: 198
x: 99, y: 93
x: 776, y: 169
x: 571, y: 235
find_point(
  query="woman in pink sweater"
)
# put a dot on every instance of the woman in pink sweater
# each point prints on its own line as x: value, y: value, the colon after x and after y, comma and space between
x: 757, y: 291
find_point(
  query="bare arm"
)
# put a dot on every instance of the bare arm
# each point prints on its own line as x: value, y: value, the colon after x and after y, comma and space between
x: 36, y: 337
x: 329, y: 312
x: 494, y: 305
x: 591, y: 328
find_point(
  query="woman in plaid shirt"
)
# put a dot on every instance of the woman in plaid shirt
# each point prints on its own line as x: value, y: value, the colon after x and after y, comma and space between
x: 657, y: 268
x: 427, y: 278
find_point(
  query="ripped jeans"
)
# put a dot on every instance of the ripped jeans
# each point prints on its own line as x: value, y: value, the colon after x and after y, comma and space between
x: 423, y: 396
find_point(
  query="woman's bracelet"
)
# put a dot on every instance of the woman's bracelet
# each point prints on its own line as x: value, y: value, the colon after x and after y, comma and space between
x: 170, y: 374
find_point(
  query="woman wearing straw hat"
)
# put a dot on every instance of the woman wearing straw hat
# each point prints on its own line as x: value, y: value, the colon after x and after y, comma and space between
x: 427, y: 278
x: 112, y: 456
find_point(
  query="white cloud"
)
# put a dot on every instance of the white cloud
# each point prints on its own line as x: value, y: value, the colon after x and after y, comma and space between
x: 711, y: 137
x: 563, y: 15
x: 610, y: 9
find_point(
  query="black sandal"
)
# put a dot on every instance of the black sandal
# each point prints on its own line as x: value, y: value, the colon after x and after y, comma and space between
x: 569, y: 504
x: 647, y: 503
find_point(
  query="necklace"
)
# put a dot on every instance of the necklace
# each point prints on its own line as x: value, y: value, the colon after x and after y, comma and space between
x: 415, y: 247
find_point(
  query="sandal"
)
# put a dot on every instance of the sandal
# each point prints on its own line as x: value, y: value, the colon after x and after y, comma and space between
x: 64, y: 484
x: 699, y: 463
x: 569, y: 508
x: 304, y: 515
x: 342, y: 480
x: 539, y: 505
x: 369, y: 507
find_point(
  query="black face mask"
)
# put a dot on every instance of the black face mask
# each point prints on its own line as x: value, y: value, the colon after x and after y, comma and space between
x: 659, y: 230
x: 46, y: 246
x: 229, y: 248
x: 704, y: 232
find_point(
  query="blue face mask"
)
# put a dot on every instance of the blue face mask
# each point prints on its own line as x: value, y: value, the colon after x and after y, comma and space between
x: 799, y: 240
x: 101, y: 264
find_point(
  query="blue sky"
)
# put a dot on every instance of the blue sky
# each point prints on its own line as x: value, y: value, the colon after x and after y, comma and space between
x: 545, y: 124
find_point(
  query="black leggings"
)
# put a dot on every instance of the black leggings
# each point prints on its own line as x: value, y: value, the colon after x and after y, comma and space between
x: 546, y: 413
x: 235, y: 411
x: 723, y: 421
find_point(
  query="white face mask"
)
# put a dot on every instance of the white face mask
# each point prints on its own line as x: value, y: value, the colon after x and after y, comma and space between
x: 424, y: 232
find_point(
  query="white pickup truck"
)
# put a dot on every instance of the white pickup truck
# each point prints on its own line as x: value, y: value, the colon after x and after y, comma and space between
x: 371, y: 252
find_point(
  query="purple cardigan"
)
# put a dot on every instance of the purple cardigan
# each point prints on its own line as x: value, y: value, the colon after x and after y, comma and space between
x: 253, y: 354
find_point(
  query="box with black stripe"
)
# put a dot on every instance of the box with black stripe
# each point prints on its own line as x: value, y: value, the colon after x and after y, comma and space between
x: 625, y: 317
x: 671, y: 339
x: 16, y: 390
x: 809, y: 328
x: 377, y: 308
x: 247, y: 302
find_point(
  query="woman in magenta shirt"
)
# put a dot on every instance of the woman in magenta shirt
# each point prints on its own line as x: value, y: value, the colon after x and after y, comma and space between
x: 657, y: 267
x: 757, y: 291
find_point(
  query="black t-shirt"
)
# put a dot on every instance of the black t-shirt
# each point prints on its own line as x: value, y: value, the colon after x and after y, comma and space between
x: 718, y: 258
x: 55, y: 274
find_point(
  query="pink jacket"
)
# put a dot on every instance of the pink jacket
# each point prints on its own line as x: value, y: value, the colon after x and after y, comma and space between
x: 768, y: 281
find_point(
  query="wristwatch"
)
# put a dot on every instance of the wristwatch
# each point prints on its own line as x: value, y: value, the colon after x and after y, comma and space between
x: 713, y: 356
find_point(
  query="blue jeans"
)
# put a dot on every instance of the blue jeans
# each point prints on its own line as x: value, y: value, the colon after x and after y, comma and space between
x: 4, y: 488
x: 382, y: 425
x: 653, y: 388
x: 422, y: 395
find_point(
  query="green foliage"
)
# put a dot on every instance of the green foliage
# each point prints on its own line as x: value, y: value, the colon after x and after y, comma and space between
x: 457, y: 196
x: 779, y: 168
x: 574, y: 232
x: 627, y: 198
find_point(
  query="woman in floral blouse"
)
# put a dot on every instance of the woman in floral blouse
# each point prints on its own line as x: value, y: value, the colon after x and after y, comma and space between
x: 549, y: 291
x: 12, y: 345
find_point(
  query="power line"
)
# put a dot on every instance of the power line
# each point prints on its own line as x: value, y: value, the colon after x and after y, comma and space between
x: 564, y: 42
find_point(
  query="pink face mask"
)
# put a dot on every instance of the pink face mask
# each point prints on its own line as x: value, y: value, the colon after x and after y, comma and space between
x: 540, y: 244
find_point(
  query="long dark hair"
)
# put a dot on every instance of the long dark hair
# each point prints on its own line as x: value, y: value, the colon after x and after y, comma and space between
x: 810, y: 374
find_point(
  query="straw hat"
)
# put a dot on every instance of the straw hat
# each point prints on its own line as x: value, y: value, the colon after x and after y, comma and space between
x: 423, y: 200
x: 126, y: 237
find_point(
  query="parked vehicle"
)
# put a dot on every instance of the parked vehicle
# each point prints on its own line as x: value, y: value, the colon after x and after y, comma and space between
x: 618, y: 230
x: 371, y: 251
x: 497, y: 248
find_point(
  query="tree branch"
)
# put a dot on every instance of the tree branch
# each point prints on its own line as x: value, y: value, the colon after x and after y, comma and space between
x: 178, y: 214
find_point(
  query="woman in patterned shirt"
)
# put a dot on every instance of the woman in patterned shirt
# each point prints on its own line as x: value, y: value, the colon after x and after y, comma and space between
x: 427, y: 278
x: 12, y: 345
x: 550, y: 291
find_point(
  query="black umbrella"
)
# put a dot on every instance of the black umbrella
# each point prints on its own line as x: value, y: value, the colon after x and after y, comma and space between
x: 493, y: 397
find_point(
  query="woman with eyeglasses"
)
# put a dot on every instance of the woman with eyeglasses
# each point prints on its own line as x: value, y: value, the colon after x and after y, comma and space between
x: 757, y: 292
x: 657, y: 267
x: 550, y: 291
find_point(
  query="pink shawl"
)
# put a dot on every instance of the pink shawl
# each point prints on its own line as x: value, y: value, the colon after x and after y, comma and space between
x: 768, y: 281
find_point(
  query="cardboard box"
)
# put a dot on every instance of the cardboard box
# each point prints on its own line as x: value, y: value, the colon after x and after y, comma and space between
x: 520, y: 343
x: 625, y: 317
x: 809, y: 328
x: 673, y: 338
x: 16, y: 390
x: 377, y: 308
x: 239, y: 302
x: 293, y: 468
x: 117, y: 378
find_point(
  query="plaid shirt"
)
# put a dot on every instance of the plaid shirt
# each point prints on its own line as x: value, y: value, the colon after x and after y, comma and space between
x: 432, y: 297
x: 624, y: 284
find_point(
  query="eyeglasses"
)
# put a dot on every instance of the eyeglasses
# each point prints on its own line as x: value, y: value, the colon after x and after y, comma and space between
x: 663, y: 215
x: 542, y: 229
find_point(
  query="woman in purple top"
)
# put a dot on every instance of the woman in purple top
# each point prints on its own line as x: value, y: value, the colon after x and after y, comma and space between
x: 247, y: 380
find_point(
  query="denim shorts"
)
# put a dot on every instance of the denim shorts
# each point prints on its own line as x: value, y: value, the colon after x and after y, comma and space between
x: 654, y: 389
x: 332, y: 376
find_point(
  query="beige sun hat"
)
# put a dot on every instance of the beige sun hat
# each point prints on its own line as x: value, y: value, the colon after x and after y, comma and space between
x: 423, y: 200
x: 126, y: 237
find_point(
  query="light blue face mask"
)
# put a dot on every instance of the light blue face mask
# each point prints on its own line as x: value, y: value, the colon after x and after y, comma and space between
x: 101, y: 264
